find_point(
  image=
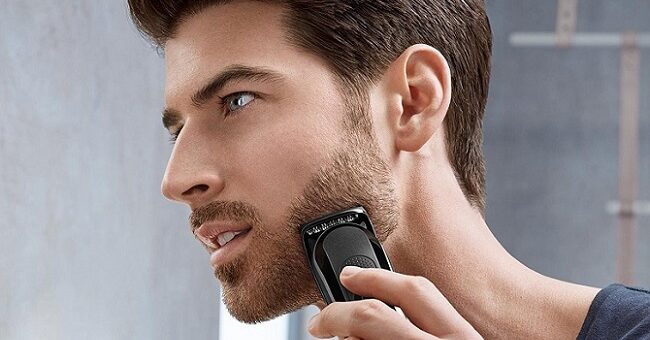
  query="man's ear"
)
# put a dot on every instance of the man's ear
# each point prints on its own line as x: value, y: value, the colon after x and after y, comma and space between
x: 419, y: 93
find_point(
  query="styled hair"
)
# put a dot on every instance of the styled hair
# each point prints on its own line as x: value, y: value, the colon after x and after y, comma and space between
x: 359, y: 39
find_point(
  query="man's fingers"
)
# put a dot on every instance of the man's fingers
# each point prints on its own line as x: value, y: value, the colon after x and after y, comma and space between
x: 366, y: 319
x: 420, y: 300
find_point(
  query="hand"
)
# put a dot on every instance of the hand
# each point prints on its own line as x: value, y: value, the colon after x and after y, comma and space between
x: 431, y: 315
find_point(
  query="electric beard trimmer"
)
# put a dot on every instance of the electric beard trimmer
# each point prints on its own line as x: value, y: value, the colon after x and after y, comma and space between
x: 345, y: 238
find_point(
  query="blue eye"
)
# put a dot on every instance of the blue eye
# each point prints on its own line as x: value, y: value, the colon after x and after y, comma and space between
x: 237, y: 101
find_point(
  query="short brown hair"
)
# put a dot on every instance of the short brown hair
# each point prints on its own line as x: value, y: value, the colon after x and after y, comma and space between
x: 359, y: 39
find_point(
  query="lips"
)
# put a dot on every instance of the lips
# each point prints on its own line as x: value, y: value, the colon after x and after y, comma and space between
x: 224, y: 241
x: 218, y: 234
x: 226, y: 237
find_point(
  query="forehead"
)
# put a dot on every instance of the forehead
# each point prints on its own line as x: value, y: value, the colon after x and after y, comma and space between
x: 245, y: 33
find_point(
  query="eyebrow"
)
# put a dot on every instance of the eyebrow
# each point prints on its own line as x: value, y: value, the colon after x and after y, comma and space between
x: 232, y: 73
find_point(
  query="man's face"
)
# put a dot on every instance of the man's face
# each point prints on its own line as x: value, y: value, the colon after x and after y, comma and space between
x: 262, y: 150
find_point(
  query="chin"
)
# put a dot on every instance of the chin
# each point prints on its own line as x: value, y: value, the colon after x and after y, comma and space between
x: 268, y: 283
x: 261, y: 305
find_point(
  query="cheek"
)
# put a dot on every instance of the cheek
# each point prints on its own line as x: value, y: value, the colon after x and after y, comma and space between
x: 277, y: 163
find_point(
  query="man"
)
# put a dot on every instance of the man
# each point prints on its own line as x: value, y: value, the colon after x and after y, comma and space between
x: 284, y: 111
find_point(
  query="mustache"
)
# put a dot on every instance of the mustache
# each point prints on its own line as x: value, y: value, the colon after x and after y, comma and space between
x: 224, y: 210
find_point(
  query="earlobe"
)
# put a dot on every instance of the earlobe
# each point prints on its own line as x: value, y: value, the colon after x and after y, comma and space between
x: 420, y: 77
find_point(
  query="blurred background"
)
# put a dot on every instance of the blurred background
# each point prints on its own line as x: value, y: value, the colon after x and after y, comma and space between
x: 91, y: 249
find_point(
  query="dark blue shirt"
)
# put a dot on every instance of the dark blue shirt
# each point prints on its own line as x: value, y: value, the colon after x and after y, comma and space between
x: 618, y: 312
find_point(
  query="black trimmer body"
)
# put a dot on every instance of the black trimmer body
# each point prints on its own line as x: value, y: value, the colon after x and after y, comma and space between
x: 345, y: 238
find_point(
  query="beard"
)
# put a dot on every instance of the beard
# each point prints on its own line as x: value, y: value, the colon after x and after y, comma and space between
x: 272, y: 276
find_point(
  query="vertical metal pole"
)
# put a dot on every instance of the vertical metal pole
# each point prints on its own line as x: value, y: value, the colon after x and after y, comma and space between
x: 628, y: 156
x: 565, y: 23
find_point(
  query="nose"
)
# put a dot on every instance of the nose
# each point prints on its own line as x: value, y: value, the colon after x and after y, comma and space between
x: 191, y: 179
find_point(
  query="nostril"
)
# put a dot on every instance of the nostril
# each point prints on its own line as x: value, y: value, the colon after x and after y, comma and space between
x: 199, y: 188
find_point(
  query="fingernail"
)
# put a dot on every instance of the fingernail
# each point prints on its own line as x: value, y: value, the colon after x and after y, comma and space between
x: 350, y: 270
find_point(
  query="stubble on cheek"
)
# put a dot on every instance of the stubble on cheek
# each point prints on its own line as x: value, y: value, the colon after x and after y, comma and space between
x: 356, y: 176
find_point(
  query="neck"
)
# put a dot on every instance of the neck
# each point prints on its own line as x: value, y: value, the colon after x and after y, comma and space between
x: 443, y: 238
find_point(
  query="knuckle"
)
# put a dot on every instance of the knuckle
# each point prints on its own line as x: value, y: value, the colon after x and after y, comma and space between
x: 375, y: 305
x: 418, y: 284
x: 368, y: 311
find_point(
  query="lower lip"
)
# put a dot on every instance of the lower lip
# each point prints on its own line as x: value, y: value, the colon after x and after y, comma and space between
x: 230, y: 250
